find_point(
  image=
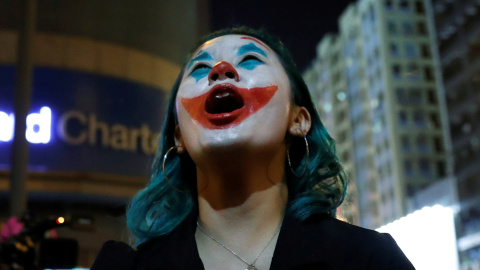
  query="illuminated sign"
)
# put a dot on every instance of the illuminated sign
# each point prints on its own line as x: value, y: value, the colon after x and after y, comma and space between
x: 38, y: 126
x: 91, y: 131
x: 84, y: 122
x: 116, y: 136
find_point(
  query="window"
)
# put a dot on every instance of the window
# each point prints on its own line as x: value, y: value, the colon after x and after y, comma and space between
x: 419, y: 7
x: 438, y: 142
x: 364, y: 22
x: 404, y: 5
x: 428, y: 73
x: 389, y: 4
x: 410, y: 50
x: 340, y: 116
x: 441, y: 171
x: 401, y: 96
x: 412, y: 72
x: 372, y: 14
x: 397, y: 72
x: 407, y: 164
x: 415, y: 96
x: 411, y: 190
x: 394, y: 50
x: 425, y: 51
x: 419, y: 118
x: 408, y: 28
x: 425, y: 168
x: 402, y: 119
x: 422, y: 28
x: 422, y: 144
x: 431, y: 97
x: 405, y: 144
x: 392, y: 27
x: 434, y: 121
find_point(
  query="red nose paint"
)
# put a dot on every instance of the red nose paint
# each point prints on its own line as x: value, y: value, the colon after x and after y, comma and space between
x: 253, y: 100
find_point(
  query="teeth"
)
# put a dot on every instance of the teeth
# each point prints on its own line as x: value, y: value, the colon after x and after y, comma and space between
x: 223, y: 101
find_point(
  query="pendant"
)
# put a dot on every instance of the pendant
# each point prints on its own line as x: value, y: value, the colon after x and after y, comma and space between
x: 251, y: 267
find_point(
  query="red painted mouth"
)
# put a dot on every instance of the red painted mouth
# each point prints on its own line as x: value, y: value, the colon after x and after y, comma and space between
x: 226, y: 105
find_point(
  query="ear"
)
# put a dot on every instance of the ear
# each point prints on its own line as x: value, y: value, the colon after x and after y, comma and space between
x: 300, y: 121
x: 179, y: 140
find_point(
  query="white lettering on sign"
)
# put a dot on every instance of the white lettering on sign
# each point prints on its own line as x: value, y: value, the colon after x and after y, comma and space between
x: 116, y: 136
x: 91, y: 131
x: 38, y: 126
x: 7, y: 122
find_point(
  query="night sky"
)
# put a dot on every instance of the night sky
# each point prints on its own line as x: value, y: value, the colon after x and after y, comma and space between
x: 300, y: 24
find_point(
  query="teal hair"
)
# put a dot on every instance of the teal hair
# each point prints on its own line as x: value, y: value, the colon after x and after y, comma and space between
x: 162, y: 205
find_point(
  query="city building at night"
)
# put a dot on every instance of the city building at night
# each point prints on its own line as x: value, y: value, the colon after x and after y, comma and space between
x: 328, y: 78
x: 377, y: 85
x: 457, y: 26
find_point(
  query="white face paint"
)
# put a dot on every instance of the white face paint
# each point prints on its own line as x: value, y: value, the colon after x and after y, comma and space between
x: 234, y: 93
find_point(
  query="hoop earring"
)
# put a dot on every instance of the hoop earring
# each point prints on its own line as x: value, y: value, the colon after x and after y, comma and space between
x: 306, y: 160
x: 165, y: 174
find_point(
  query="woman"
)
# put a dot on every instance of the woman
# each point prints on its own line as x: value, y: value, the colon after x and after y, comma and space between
x: 246, y: 176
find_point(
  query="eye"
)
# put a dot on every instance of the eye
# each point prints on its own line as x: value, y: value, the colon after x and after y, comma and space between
x: 200, y: 70
x: 250, y: 58
x: 200, y: 66
x: 250, y: 62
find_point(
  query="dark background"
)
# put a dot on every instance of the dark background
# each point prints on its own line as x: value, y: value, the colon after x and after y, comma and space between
x: 299, y: 24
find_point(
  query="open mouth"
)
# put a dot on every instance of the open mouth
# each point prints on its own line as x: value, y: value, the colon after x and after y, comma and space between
x: 223, y: 99
x: 226, y: 105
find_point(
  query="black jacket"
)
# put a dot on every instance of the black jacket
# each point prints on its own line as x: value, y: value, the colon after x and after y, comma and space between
x: 321, y: 242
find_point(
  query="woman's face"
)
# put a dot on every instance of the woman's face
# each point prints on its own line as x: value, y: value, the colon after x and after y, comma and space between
x: 234, y: 94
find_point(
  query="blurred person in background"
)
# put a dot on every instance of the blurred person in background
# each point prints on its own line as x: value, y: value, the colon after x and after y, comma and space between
x: 246, y: 176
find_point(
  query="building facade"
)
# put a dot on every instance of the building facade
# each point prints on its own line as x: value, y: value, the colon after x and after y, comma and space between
x: 457, y: 25
x: 390, y: 87
x: 102, y: 74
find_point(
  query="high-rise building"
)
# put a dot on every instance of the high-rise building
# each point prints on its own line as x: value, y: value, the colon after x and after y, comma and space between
x: 457, y: 26
x: 328, y: 77
x: 378, y: 86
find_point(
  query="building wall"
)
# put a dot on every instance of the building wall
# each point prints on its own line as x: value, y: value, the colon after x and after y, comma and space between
x: 166, y: 29
x: 326, y: 81
x: 391, y: 86
x: 458, y: 42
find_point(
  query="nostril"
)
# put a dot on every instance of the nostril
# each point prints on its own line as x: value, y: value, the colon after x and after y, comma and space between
x: 221, y: 71
x: 230, y: 75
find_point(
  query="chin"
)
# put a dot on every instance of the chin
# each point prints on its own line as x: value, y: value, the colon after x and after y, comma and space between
x: 232, y: 139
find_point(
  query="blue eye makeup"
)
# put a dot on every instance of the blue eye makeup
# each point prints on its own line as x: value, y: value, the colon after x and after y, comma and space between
x: 201, y: 70
x: 250, y: 61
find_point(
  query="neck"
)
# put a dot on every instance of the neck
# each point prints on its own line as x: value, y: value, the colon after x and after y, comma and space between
x: 245, y: 199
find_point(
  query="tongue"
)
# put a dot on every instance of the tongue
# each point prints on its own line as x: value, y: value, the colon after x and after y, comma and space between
x: 223, y: 102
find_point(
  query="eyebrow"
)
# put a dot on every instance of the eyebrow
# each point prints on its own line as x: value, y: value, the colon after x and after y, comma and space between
x: 254, y: 39
x: 250, y: 47
x: 202, y: 55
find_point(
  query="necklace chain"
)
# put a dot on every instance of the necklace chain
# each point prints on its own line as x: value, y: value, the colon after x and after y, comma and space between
x: 250, y: 266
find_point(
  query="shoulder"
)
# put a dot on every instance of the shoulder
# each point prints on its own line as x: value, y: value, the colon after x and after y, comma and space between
x: 338, y: 230
x: 346, y: 245
x: 115, y: 255
x: 367, y: 247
